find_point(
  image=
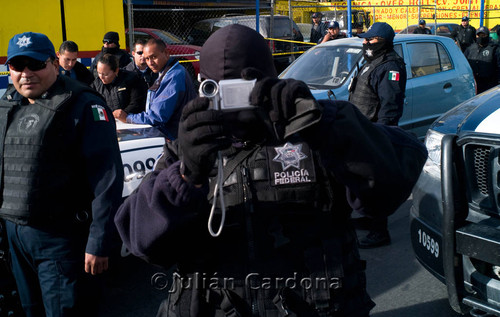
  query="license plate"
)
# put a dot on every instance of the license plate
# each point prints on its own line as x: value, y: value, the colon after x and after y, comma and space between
x: 427, y: 245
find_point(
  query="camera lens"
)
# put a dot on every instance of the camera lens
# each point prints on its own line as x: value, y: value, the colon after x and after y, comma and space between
x: 209, y: 88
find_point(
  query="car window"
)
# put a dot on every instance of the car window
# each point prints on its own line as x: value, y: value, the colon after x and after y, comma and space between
x: 141, y: 35
x: 409, y: 30
x: 443, y: 29
x: 200, y: 32
x: 399, y: 49
x: 325, y: 67
x: 428, y: 58
x: 222, y: 23
x: 168, y: 38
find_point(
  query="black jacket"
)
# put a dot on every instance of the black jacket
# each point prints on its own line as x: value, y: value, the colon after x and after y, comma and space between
x: 82, y: 73
x: 127, y: 92
x: 148, y: 76
x: 464, y: 36
x: 420, y: 30
x: 318, y: 34
x: 485, y: 63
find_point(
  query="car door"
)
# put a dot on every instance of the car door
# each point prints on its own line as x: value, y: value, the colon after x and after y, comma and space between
x: 405, y: 121
x: 432, y: 79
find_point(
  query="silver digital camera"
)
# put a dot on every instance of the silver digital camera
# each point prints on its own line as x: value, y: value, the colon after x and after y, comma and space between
x: 228, y: 94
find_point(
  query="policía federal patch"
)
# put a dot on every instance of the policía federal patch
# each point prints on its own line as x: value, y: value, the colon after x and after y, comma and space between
x: 99, y: 113
x: 291, y: 164
x: 394, y: 75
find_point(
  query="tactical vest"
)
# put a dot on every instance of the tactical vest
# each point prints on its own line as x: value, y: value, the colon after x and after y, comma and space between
x: 362, y: 94
x: 286, y: 232
x: 483, y: 61
x: 40, y: 184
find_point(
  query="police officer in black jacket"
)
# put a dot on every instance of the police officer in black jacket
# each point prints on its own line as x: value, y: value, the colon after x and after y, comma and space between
x: 121, y: 88
x: 421, y: 28
x: 464, y: 35
x: 292, y: 170
x: 318, y: 28
x: 61, y: 180
x: 484, y: 59
x: 70, y: 66
x: 379, y: 91
x: 111, y: 45
x: 139, y: 65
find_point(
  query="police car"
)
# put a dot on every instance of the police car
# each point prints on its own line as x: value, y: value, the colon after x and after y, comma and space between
x: 140, y: 147
x: 455, y: 217
x: 438, y: 75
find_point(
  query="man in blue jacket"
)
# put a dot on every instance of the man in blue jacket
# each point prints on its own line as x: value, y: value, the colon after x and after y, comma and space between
x: 167, y: 96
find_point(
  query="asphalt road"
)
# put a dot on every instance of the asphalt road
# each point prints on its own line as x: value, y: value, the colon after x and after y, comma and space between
x: 397, y: 283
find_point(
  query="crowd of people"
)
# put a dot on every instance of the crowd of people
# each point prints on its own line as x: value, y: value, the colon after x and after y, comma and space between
x: 279, y: 180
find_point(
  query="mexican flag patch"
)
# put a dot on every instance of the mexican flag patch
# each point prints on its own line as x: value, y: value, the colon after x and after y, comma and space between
x: 99, y: 113
x: 394, y: 75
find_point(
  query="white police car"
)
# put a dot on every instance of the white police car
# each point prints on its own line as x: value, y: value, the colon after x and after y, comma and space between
x: 455, y: 217
x: 140, y: 147
x: 438, y: 75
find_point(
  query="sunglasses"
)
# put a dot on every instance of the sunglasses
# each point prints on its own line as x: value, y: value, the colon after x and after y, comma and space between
x: 34, y: 65
x: 139, y: 52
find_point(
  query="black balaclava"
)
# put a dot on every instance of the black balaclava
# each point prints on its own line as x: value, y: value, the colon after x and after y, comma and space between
x: 231, y: 49
x: 224, y: 55
x: 483, y: 41
x: 372, y: 51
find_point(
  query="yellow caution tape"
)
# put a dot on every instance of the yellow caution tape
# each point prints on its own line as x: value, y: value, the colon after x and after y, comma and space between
x: 188, y: 61
x: 298, y: 42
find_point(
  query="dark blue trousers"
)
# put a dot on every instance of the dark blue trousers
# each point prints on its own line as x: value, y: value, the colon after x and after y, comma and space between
x: 49, y: 270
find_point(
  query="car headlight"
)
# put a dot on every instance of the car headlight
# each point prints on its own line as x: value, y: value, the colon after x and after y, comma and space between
x: 433, y: 145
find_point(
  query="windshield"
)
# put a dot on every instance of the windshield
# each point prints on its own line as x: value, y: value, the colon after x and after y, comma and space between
x: 168, y: 38
x: 325, y: 67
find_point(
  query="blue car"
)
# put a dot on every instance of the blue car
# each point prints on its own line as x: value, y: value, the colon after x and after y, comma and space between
x: 439, y: 76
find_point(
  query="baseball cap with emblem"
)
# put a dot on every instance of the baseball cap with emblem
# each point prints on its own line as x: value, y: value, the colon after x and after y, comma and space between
x: 31, y: 44
x: 422, y: 21
x: 484, y: 30
x: 333, y: 25
x: 465, y: 19
x: 316, y: 15
x: 379, y: 29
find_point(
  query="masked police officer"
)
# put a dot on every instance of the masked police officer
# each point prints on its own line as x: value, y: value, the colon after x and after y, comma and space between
x: 61, y: 180
x: 484, y: 59
x: 379, y: 92
x: 292, y: 169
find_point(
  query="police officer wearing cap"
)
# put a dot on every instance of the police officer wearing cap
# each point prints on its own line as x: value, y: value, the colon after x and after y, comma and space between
x: 292, y: 169
x: 111, y: 45
x: 484, y: 59
x: 421, y: 29
x: 61, y: 181
x: 318, y: 28
x: 378, y: 91
x: 333, y: 32
x: 464, y: 35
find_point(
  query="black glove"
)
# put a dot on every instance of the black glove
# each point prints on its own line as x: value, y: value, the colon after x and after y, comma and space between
x: 201, y: 135
x: 289, y: 102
